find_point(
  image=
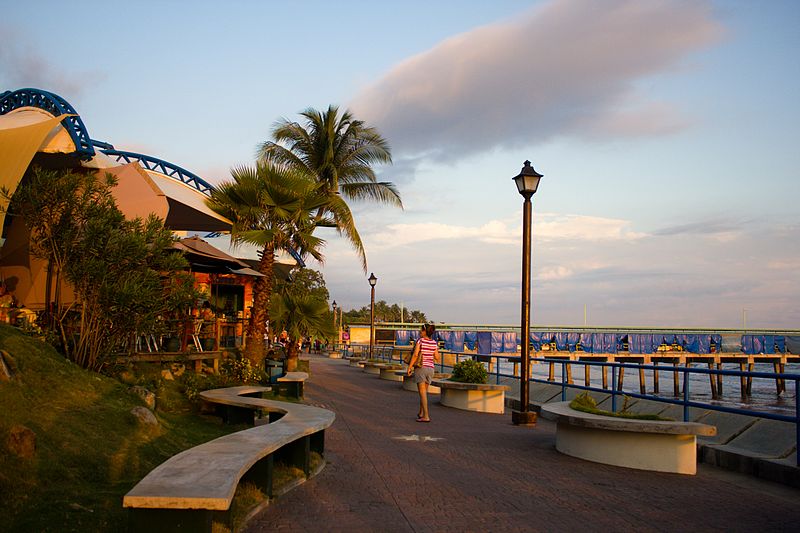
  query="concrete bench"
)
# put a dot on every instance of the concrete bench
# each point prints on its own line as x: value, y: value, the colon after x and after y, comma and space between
x: 193, y: 489
x: 388, y: 371
x: 480, y: 397
x: 658, y: 445
x: 291, y: 384
x: 371, y: 367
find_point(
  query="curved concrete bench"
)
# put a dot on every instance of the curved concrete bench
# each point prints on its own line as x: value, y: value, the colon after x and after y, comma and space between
x: 388, y: 371
x: 372, y: 368
x: 409, y: 385
x: 291, y: 384
x: 659, y: 445
x: 195, y: 487
x: 480, y: 397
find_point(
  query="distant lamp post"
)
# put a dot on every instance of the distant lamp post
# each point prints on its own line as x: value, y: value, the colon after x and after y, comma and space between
x: 527, y: 182
x: 372, y: 281
x: 335, y: 307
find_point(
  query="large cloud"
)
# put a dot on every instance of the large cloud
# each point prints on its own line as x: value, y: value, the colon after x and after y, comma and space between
x: 569, y: 67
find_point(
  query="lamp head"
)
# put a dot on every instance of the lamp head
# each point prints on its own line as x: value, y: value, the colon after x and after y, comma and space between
x: 527, y: 180
x: 372, y: 280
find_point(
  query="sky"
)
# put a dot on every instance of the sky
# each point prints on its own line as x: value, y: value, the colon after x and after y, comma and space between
x: 666, y: 132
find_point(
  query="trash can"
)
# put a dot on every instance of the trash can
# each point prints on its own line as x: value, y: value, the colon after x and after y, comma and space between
x: 274, y: 369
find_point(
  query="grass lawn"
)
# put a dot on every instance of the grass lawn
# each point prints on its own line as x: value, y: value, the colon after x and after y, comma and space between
x: 89, y: 449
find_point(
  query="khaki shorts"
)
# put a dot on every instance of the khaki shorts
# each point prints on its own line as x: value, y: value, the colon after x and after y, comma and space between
x: 423, y: 375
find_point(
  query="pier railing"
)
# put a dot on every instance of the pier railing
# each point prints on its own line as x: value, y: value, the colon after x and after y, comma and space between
x: 683, y: 386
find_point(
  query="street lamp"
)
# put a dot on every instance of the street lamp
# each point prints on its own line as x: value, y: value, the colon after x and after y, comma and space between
x: 372, y: 281
x: 527, y: 182
x: 334, y: 321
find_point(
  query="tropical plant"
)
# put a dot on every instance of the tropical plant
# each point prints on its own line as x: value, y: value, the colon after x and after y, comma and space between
x: 125, y: 273
x: 339, y: 151
x: 300, y: 315
x: 469, y: 371
x: 274, y: 208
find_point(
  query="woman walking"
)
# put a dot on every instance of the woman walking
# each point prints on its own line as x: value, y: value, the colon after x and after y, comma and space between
x: 426, y: 353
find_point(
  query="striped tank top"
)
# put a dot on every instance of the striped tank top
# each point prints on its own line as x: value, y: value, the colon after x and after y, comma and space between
x: 427, y: 347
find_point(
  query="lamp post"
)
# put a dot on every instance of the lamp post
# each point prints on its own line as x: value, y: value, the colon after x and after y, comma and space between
x: 334, y: 322
x: 372, y: 281
x: 527, y: 182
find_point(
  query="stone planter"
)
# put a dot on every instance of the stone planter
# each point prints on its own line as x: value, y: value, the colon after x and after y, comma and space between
x: 480, y: 397
x: 409, y: 385
x: 658, y: 445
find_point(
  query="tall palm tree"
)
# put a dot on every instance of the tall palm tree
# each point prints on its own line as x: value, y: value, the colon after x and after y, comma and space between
x: 275, y: 208
x: 339, y: 151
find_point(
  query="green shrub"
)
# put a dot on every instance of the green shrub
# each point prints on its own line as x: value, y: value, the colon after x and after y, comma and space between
x: 585, y: 403
x: 469, y: 371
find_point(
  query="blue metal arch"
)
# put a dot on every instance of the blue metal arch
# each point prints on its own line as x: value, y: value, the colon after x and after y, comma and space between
x: 56, y: 106
x: 164, y: 167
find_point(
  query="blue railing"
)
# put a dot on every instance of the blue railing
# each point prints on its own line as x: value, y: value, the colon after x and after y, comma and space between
x: 164, y: 167
x: 615, y: 390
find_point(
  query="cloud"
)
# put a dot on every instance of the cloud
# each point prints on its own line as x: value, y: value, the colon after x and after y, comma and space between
x: 547, y: 227
x: 21, y: 65
x: 569, y: 67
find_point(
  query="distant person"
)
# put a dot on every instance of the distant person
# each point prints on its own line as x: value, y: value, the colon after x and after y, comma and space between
x: 426, y: 352
x: 6, y: 303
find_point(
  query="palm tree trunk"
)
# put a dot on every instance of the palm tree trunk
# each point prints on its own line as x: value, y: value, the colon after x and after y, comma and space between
x: 292, y: 355
x: 259, y: 314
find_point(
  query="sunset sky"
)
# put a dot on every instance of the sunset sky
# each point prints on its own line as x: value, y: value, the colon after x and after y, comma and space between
x: 666, y: 131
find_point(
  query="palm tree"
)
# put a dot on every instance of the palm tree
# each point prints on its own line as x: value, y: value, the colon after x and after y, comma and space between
x: 339, y: 152
x: 275, y: 208
x: 300, y: 315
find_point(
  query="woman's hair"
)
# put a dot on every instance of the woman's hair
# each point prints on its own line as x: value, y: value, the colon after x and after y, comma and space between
x: 429, y: 329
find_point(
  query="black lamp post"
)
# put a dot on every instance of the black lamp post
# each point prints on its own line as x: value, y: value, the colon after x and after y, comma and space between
x: 334, y: 322
x: 527, y: 182
x: 372, y: 281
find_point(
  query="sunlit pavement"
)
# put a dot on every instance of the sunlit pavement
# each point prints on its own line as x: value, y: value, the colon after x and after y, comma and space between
x: 477, y: 472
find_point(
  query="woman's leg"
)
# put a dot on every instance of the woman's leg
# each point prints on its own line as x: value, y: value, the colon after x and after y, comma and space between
x: 423, y: 400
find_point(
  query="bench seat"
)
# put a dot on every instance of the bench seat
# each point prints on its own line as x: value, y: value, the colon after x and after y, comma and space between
x: 291, y: 384
x: 205, y: 477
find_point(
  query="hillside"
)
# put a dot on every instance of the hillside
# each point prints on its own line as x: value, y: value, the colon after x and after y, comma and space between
x: 89, y: 448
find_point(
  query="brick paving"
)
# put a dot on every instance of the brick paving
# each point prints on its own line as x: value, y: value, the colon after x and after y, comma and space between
x: 477, y: 472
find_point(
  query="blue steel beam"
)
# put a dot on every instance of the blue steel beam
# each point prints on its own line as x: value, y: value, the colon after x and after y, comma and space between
x: 164, y: 167
x: 56, y: 106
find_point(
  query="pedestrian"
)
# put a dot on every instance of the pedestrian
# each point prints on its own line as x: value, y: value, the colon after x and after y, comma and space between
x: 425, y: 355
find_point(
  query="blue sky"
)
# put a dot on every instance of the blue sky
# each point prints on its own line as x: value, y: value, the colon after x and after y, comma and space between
x: 666, y: 132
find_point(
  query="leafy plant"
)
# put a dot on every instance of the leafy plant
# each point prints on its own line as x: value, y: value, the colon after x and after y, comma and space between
x: 124, y: 273
x: 469, y: 371
x: 585, y: 403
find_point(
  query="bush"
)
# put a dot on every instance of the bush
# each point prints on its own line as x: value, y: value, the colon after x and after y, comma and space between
x: 469, y: 371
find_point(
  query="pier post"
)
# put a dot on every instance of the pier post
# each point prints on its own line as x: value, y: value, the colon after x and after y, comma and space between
x: 642, y: 384
x: 742, y: 382
x: 655, y: 377
x: 713, y: 383
x: 675, y: 385
x: 605, y: 377
x: 586, y: 379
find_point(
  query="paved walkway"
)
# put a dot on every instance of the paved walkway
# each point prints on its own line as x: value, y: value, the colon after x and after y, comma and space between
x: 477, y: 472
